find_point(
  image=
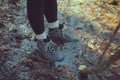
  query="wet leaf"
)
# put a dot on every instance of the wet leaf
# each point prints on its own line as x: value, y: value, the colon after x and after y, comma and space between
x: 81, y: 67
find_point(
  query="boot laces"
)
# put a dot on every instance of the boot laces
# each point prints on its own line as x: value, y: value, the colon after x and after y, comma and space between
x: 52, y: 48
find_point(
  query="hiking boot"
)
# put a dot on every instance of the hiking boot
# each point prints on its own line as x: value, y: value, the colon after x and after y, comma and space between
x: 58, y: 36
x: 49, y: 50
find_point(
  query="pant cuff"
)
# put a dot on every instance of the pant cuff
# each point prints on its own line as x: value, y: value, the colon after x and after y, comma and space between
x: 42, y: 36
x: 53, y: 25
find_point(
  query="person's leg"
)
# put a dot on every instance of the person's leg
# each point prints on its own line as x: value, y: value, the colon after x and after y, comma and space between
x: 55, y: 30
x: 51, y: 13
x: 35, y: 10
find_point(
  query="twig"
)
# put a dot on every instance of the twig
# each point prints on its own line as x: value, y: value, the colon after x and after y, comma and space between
x: 104, y: 62
x: 111, y: 39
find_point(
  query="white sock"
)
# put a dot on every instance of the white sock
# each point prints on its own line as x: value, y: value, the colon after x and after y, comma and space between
x: 41, y: 36
x: 53, y: 25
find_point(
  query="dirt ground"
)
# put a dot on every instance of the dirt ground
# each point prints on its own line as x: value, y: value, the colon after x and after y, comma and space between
x: 92, y: 22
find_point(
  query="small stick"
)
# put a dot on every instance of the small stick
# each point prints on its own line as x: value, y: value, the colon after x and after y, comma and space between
x: 104, y: 60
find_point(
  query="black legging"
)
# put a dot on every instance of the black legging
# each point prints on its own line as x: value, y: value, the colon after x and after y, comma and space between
x: 36, y: 10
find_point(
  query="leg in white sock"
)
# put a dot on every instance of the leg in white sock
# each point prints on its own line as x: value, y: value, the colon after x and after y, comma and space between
x: 53, y: 25
x: 42, y: 36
